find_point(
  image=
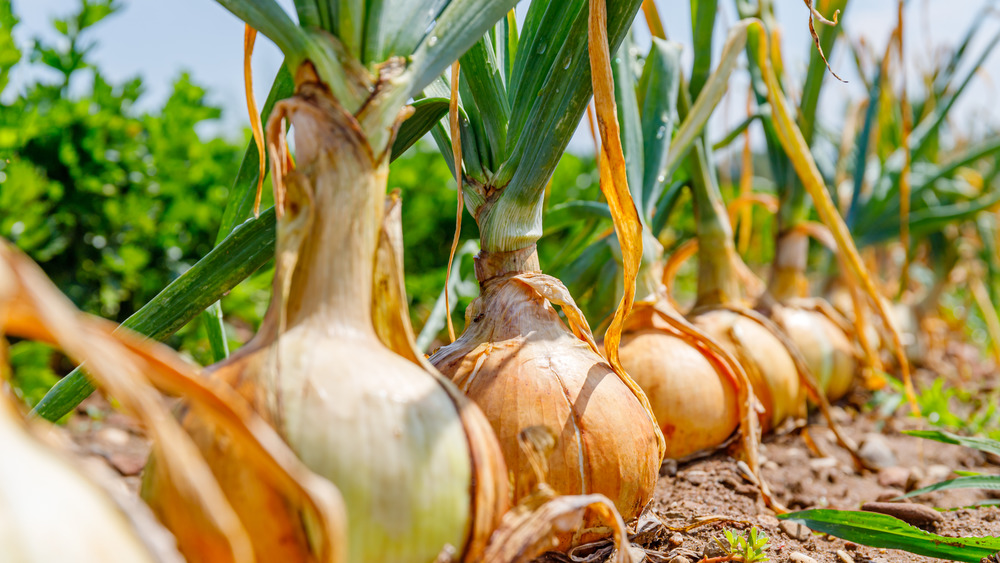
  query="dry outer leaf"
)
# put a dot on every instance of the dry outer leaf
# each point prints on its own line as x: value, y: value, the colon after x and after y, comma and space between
x: 456, y: 149
x: 121, y: 363
x: 614, y: 185
x: 798, y: 152
x: 256, y: 127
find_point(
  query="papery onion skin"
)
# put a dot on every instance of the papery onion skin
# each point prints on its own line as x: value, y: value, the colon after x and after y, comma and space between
x: 524, y: 367
x: 768, y: 364
x: 695, y: 406
x: 824, y: 346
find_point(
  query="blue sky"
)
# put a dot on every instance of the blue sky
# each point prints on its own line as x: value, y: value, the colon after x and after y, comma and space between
x: 157, y: 39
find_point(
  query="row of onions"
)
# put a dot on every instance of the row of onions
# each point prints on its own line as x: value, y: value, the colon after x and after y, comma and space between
x: 329, y: 437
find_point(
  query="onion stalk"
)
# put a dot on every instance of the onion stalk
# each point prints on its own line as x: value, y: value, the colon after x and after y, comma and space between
x: 332, y: 368
x: 517, y: 359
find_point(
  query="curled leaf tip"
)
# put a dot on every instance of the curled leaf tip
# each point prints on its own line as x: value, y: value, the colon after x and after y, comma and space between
x: 814, y: 15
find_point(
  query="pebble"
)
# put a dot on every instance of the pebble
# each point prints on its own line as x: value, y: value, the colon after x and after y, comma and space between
x: 843, y: 555
x: 916, y: 514
x: 675, y: 540
x: 876, y: 451
x: 823, y: 463
x: 895, y: 477
x: 795, y: 530
x: 801, y: 557
x: 768, y: 521
x: 695, y: 477
x: 916, y: 477
x: 938, y: 472
x: 680, y: 559
x: 112, y: 436
x: 127, y: 464
x: 712, y: 549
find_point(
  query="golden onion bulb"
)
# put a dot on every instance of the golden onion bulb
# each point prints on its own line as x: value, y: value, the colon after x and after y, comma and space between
x: 695, y: 405
x: 524, y: 367
x: 768, y: 363
x: 825, y: 347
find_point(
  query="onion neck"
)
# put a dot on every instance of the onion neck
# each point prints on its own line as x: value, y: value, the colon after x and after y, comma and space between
x: 717, y: 280
x: 788, y: 277
x: 490, y: 265
x: 332, y: 282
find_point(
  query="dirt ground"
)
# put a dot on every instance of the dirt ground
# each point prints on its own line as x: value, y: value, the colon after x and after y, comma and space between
x: 712, y: 490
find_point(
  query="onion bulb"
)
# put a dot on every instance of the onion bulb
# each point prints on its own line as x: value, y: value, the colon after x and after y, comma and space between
x: 333, y: 370
x: 768, y: 363
x: 694, y: 399
x: 524, y: 367
x: 823, y: 343
x: 40, y: 491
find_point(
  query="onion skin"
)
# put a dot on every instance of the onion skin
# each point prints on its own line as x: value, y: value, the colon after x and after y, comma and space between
x: 407, y: 452
x: 524, y: 367
x: 824, y: 346
x: 695, y: 406
x: 768, y: 364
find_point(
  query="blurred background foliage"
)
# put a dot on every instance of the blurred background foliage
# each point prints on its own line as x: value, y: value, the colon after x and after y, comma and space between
x: 114, y: 203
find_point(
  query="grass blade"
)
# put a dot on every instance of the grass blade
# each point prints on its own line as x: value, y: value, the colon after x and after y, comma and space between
x: 989, y: 482
x: 883, y: 531
x: 981, y: 444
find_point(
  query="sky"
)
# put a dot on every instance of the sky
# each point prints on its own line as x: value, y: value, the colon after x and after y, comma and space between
x: 158, y: 39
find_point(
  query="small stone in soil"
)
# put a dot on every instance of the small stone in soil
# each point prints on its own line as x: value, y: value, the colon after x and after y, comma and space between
x: 844, y: 556
x: 801, y: 558
x: 695, y: 477
x: 712, y: 549
x: 127, y: 464
x: 938, y: 472
x: 675, y: 540
x: 895, y: 477
x: 916, y: 514
x: 876, y: 451
x: 795, y: 530
x: 680, y: 559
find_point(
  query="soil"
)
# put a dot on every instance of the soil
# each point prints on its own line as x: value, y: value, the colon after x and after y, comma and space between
x: 696, y: 501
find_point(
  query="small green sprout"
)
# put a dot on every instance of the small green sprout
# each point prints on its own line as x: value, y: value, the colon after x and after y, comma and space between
x: 748, y: 549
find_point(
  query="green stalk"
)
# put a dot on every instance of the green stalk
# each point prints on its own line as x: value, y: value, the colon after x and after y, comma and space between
x: 792, y: 247
x: 717, y: 281
x: 239, y: 255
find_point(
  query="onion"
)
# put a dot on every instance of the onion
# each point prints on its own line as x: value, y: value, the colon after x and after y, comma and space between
x: 524, y: 367
x: 333, y: 371
x: 206, y: 527
x: 824, y: 345
x: 40, y: 491
x: 694, y: 398
x: 811, y: 324
x: 765, y: 358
